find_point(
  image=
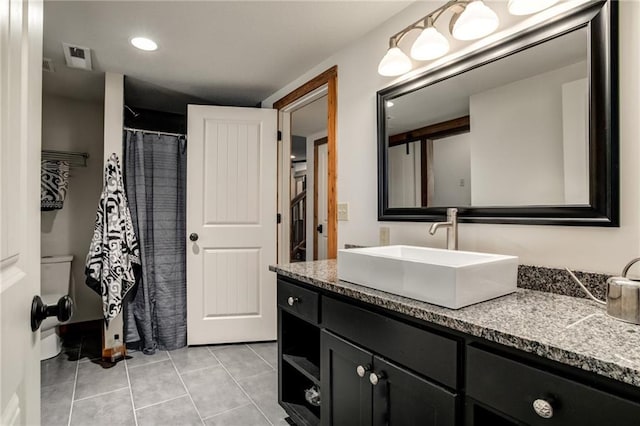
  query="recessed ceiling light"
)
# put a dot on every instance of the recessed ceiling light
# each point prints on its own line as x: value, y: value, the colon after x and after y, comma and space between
x: 143, y: 43
x: 390, y: 104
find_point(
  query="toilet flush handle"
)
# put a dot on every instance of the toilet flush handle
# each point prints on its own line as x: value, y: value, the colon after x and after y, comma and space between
x: 63, y: 310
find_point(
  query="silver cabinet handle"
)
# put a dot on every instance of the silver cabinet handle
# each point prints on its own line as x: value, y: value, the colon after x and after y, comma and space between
x: 543, y: 408
x: 375, y: 378
x: 292, y: 300
x: 362, y: 370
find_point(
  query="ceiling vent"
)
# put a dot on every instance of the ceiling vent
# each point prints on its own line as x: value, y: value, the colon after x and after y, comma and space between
x: 47, y: 65
x: 77, y: 56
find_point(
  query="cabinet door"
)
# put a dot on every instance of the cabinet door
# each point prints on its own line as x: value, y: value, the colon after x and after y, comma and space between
x: 400, y: 398
x: 346, y: 397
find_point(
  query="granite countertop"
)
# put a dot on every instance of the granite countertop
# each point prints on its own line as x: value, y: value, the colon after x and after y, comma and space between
x: 570, y: 330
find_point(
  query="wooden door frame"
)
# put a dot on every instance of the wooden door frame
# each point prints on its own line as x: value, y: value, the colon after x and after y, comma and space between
x: 316, y: 144
x: 330, y: 79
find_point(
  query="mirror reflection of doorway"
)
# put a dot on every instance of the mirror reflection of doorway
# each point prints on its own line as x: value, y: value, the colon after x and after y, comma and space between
x: 309, y: 177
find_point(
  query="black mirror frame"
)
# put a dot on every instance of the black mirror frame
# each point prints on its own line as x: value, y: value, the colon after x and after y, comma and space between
x: 601, y: 20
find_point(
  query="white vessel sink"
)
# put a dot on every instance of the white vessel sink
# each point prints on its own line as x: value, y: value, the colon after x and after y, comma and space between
x: 448, y: 278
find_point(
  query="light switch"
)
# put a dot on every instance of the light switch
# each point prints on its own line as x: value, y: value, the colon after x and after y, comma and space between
x: 384, y: 236
x: 343, y: 211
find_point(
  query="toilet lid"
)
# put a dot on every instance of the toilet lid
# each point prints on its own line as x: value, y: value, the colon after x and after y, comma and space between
x: 56, y: 259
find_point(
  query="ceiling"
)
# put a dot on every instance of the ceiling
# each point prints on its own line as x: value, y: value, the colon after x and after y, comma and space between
x: 221, y: 52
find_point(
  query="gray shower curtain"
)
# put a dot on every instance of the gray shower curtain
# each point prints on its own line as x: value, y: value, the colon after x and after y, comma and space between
x: 155, y: 181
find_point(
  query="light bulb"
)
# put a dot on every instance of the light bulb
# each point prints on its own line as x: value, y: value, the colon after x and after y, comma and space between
x: 430, y: 44
x: 476, y: 21
x: 527, y: 7
x: 394, y: 63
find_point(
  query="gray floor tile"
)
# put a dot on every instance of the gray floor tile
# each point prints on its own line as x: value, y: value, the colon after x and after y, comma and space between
x: 263, y: 389
x: 240, y: 361
x: 94, y: 379
x: 214, y: 391
x: 268, y: 351
x: 111, y: 409
x: 138, y: 358
x: 155, y: 383
x: 243, y: 416
x: 56, y: 403
x: 59, y: 369
x: 193, y: 358
x: 178, y: 412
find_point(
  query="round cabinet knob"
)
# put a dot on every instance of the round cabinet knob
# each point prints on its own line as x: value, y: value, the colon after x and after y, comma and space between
x: 292, y: 300
x: 375, y: 378
x: 193, y: 237
x: 362, y: 370
x: 543, y: 408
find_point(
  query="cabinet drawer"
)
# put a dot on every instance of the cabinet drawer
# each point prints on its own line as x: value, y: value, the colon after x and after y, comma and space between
x: 426, y: 353
x: 299, y: 301
x: 512, y: 387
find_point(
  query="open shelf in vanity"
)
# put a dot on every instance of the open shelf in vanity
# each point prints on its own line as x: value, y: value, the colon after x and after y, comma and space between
x: 299, y: 352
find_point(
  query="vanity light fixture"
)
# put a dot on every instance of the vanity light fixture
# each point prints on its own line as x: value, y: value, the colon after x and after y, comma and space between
x: 144, y: 43
x: 471, y: 20
x: 476, y: 21
x: 395, y: 62
x: 527, y: 7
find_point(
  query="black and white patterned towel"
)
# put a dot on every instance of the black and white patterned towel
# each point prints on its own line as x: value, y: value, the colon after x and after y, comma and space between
x: 114, y: 252
x: 54, y: 182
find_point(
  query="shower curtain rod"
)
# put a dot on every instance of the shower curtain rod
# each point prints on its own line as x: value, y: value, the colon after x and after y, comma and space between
x: 154, y: 131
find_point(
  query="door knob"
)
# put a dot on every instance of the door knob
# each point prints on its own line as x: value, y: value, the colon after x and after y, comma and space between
x: 362, y: 369
x: 193, y: 237
x: 63, y: 310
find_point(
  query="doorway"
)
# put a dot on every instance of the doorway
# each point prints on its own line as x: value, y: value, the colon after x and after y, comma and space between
x: 307, y: 198
x: 308, y: 205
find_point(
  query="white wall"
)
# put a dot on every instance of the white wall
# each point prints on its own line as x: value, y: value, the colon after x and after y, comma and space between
x: 575, y: 126
x: 113, y: 126
x: 452, y: 171
x: 517, y: 151
x: 586, y: 248
x: 71, y: 125
x: 405, y: 175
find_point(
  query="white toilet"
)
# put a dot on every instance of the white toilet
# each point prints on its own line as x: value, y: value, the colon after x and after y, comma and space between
x: 55, y: 278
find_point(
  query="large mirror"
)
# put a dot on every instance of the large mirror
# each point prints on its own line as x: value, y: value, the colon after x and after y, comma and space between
x: 524, y: 131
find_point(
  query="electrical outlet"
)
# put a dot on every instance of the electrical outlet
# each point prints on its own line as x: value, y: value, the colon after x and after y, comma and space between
x: 384, y: 235
x: 343, y: 211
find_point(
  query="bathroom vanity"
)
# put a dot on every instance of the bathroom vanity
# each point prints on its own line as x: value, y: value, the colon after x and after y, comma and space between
x: 531, y: 357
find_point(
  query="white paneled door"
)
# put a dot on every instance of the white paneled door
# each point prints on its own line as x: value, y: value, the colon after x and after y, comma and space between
x: 231, y: 224
x: 20, y: 130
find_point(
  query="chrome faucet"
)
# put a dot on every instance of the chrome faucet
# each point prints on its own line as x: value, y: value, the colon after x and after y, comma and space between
x: 452, y: 228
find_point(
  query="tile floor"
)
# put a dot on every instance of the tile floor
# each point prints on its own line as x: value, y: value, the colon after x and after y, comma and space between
x: 205, y: 385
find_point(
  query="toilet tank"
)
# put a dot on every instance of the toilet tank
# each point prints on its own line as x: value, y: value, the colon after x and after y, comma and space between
x: 55, y: 275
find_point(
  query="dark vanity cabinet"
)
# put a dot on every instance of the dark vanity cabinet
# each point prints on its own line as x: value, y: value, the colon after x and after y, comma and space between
x: 375, y: 367
x: 364, y: 389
